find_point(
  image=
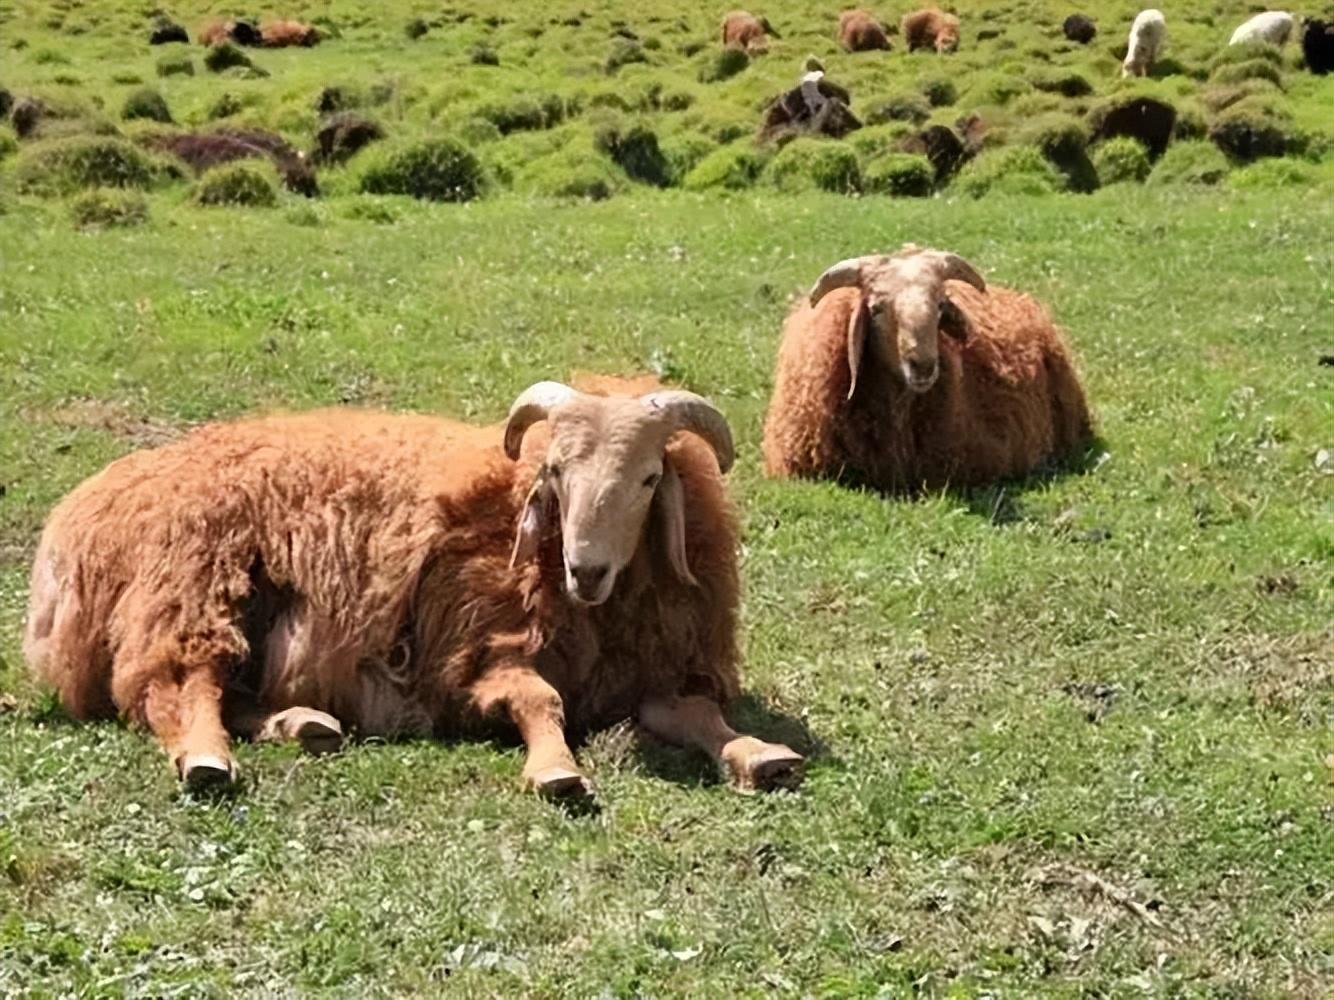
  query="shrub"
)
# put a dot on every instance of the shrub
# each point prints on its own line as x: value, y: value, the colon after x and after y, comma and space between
x: 415, y: 28
x: 1135, y: 114
x: 1010, y: 170
x: 1066, y: 83
x: 146, y: 103
x: 683, y: 152
x: 677, y: 100
x: 901, y: 175
x: 225, y: 56
x: 815, y: 164
x: 248, y: 183
x: 1120, y: 160
x: 1272, y: 173
x: 939, y: 92
x: 1062, y: 140
x: 876, y: 140
x: 108, y: 207
x: 440, y: 169
x: 634, y: 148
x: 63, y: 166
x: 1199, y: 163
x: 341, y: 136
x: 723, y: 65
x: 483, y: 55
x: 524, y: 113
x: 906, y: 107
x: 1252, y: 69
x: 730, y: 167
x: 175, y: 64
x: 572, y: 172
x: 224, y: 105
x: 1252, y: 128
x: 624, y: 51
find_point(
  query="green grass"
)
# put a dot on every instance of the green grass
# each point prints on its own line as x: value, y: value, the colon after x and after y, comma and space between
x: 1124, y: 671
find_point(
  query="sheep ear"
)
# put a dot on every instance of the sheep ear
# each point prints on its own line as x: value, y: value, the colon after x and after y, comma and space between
x: 953, y: 323
x: 532, y: 523
x: 671, y: 503
x: 842, y: 275
x: 856, y: 342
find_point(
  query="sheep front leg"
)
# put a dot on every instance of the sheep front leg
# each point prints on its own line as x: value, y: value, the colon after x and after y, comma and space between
x: 186, y: 717
x: 315, y: 731
x: 749, y: 763
x: 536, y: 709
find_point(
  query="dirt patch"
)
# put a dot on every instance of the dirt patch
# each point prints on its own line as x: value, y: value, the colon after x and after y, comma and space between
x: 114, y: 418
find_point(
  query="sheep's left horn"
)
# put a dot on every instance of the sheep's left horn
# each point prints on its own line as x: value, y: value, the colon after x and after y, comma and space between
x: 955, y: 267
x: 844, y: 274
x: 532, y: 405
x: 689, y: 412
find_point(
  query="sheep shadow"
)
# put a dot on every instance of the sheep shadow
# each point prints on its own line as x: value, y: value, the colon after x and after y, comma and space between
x: 999, y: 503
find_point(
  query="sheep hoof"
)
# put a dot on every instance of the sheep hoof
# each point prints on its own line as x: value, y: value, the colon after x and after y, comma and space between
x: 763, y: 767
x: 316, y: 732
x: 562, y: 785
x: 202, y: 772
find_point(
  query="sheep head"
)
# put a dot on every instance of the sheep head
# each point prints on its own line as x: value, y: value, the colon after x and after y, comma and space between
x: 904, y: 299
x: 605, y: 471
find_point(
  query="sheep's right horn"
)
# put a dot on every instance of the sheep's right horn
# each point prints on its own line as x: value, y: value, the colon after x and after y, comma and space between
x: 690, y: 412
x: 532, y: 405
x: 958, y: 269
x: 844, y: 274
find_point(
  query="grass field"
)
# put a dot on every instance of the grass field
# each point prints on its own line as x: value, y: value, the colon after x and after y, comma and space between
x: 1068, y: 737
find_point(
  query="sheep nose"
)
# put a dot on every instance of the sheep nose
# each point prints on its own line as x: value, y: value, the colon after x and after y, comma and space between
x: 587, y: 579
x: 921, y: 371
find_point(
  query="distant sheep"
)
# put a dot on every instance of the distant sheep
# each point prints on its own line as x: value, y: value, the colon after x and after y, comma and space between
x: 1318, y: 45
x: 859, y: 31
x: 868, y: 390
x: 240, y: 32
x: 1080, y: 28
x: 286, y: 577
x: 743, y: 30
x: 288, y: 34
x: 1148, y: 35
x: 930, y: 29
x: 1273, y: 27
x: 203, y: 150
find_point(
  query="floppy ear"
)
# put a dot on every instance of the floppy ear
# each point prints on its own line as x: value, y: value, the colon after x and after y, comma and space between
x: 953, y: 323
x: 856, y: 342
x: 670, y: 501
x: 533, y: 521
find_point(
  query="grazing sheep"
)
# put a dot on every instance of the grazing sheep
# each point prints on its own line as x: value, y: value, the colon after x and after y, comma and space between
x: 743, y: 30
x: 930, y: 29
x: 1148, y: 35
x: 288, y: 34
x: 240, y: 32
x: 866, y: 388
x: 203, y: 150
x: 1272, y: 27
x: 1080, y: 28
x: 290, y: 576
x: 859, y: 31
x: 1318, y: 45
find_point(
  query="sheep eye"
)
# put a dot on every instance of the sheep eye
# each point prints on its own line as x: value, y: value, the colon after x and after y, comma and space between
x: 553, y: 471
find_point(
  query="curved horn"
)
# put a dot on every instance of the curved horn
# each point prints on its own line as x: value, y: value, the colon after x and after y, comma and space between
x: 958, y: 269
x: 688, y: 412
x: 842, y: 275
x: 531, y: 406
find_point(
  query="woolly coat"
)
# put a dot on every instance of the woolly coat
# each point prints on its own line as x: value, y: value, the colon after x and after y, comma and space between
x: 1007, y: 398
x: 859, y: 31
x: 926, y: 29
x: 358, y: 563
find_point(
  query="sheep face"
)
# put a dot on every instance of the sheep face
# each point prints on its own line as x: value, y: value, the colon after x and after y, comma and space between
x: 604, y: 473
x: 905, y: 304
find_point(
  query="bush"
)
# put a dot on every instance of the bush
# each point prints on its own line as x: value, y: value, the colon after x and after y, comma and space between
x: 146, y: 103
x: 1067, y: 83
x: 572, y: 172
x: 907, y: 107
x: 1273, y: 173
x: 439, y: 169
x: 939, y: 92
x: 1009, y: 170
x: 225, y: 56
x: 677, y: 100
x: 723, y: 65
x: 815, y: 164
x: 341, y: 136
x: 224, y: 105
x: 1189, y: 125
x: 415, y: 28
x: 732, y: 168
x: 248, y: 183
x: 901, y: 175
x: 1120, y: 160
x: 108, y: 207
x: 483, y: 55
x: 63, y: 166
x: 1252, y: 69
x: 1199, y: 163
x: 1252, y: 128
x: 876, y: 140
x: 634, y: 148
x: 524, y: 113
x: 1062, y: 140
x: 624, y: 51
x: 683, y: 152
x: 175, y: 64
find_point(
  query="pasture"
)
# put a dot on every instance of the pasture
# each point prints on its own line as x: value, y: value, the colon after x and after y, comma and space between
x: 1069, y: 736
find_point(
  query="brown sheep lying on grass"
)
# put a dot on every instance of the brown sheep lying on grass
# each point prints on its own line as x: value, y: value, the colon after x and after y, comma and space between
x: 859, y: 31
x: 285, y: 577
x: 217, y: 32
x: 930, y: 29
x: 286, y: 34
x: 743, y: 30
x: 203, y: 150
x: 867, y: 389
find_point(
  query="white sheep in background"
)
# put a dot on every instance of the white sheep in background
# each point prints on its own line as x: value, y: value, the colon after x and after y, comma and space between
x: 1148, y: 34
x: 1273, y: 27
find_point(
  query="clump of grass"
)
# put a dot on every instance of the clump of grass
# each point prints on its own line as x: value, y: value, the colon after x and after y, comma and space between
x: 224, y: 105
x: 1067, y: 83
x: 1062, y: 139
x: 634, y: 148
x: 905, y: 107
x: 1253, y: 128
x: 900, y: 175
x: 124, y: 79
x: 624, y: 51
x: 731, y: 168
x: 304, y: 215
x: 63, y: 166
x: 524, y: 113
x: 1195, y: 163
x: 416, y: 28
x: 146, y: 103
x: 1219, y: 97
x: 175, y: 64
x: 107, y: 208
x: 723, y: 65
x: 245, y: 183
x: 440, y: 169
x: 683, y: 151
x: 9, y: 144
x: 225, y: 56
x: 367, y: 208
x: 875, y: 141
x: 939, y: 91
x: 572, y: 172
x: 815, y: 164
x: 1251, y: 69
x: 998, y: 88
x: 1121, y: 160
x: 1009, y: 170
x: 483, y: 55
